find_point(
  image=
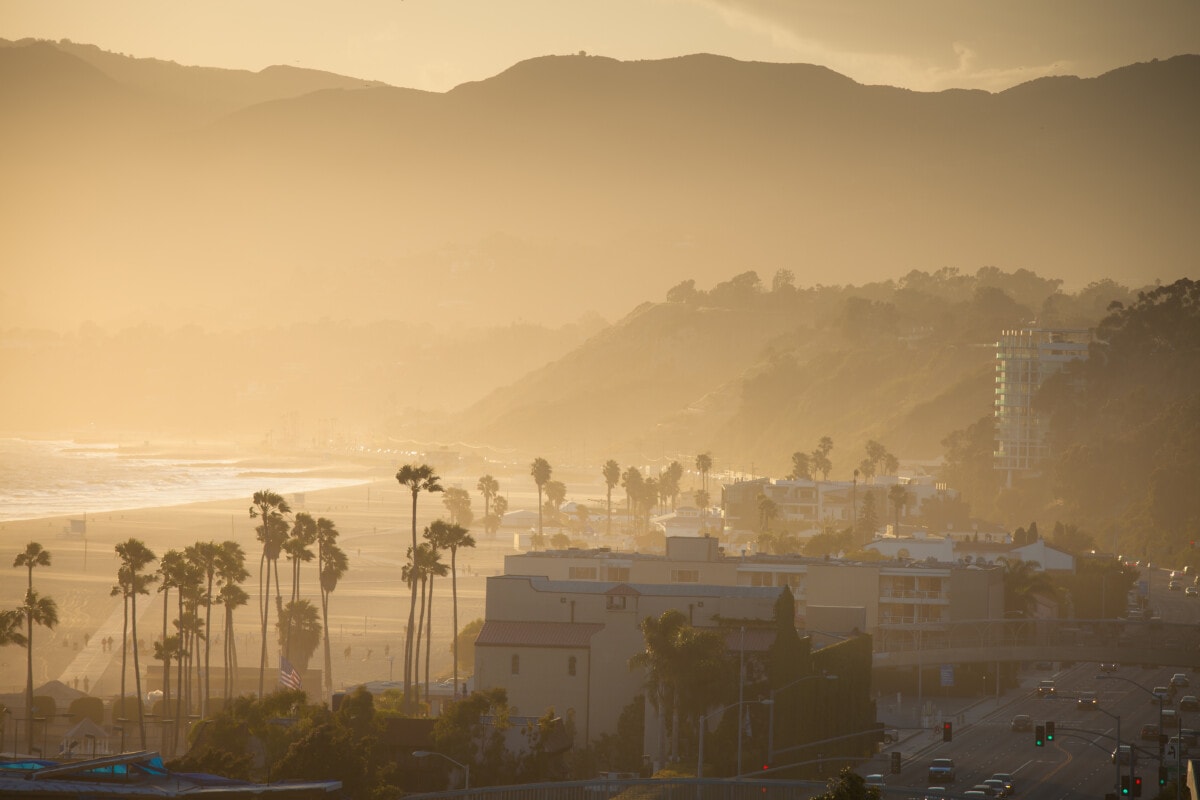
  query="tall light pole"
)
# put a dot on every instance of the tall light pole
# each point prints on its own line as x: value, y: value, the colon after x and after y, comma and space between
x: 1105, y: 677
x: 771, y: 716
x: 705, y: 717
x: 465, y: 767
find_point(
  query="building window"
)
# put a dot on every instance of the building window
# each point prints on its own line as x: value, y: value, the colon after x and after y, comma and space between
x: 617, y: 573
x: 685, y: 576
x: 516, y: 665
x: 615, y: 603
x: 761, y: 579
x: 582, y: 573
x: 571, y: 662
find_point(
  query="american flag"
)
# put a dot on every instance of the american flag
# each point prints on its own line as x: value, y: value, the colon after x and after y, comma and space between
x: 287, y: 674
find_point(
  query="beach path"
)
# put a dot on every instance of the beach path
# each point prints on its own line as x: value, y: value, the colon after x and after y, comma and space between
x: 89, y: 664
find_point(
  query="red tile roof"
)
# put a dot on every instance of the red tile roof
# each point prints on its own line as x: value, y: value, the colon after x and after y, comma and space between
x: 537, y: 634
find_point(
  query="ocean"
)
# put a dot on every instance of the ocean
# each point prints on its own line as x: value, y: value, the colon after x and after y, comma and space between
x: 57, y: 478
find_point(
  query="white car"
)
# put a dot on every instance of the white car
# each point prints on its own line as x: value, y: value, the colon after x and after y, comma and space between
x: 875, y: 779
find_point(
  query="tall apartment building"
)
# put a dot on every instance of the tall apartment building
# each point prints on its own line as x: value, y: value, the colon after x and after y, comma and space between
x: 1025, y: 359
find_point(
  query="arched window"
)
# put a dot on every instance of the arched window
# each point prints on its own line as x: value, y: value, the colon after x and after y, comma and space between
x: 516, y: 665
x: 571, y: 662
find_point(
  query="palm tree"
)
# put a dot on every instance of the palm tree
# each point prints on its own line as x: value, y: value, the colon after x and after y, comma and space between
x: 34, y: 556
x: 631, y: 481
x: 556, y: 494
x: 205, y: 555
x: 540, y: 470
x: 170, y: 573
x: 231, y: 573
x: 704, y: 464
x: 489, y: 487
x: 302, y: 617
x: 332, y: 565
x: 298, y: 548
x: 271, y: 508
x: 10, y: 628
x: 434, y: 568
x: 612, y: 476
x: 450, y: 537
x: 1023, y: 581
x: 661, y: 662
x: 131, y: 582
x: 418, y: 478
x: 898, y: 495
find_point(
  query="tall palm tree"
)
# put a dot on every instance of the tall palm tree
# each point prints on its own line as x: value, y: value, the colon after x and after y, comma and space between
x: 612, y: 476
x: 704, y: 464
x: 489, y: 487
x: 205, y: 555
x: 33, y: 556
x: 298, y: 548
x: 451, y: 537
x: 166, y: 650
x: 418, y: 478
x: 435, y: 568
x: 231, y: 574
x: 661, y: 661
x: 131, y: 581
x: 44, y: 612
x: 305, y: 622
x: 270, y: 508
x: 331, y: 565
x: 232, y: 597
x: 540, y: 470
x: 170, y: 573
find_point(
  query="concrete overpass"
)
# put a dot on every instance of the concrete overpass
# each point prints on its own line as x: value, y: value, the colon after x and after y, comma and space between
x: 1130, y: 642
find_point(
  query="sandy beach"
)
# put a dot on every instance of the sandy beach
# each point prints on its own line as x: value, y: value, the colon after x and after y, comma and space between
x: 368, y: 610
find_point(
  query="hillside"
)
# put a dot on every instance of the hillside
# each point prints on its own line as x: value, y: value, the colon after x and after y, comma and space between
x: 145, y: 191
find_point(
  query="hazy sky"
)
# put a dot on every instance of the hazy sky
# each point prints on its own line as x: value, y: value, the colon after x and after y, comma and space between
x: 438, y: 44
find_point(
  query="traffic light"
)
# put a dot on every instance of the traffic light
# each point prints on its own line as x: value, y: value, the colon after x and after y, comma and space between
x: 895, y: 762
x: 947, y: 731
x: 1124, y: 786
x: 1049, y: 730
x: 1137, y: 785
x: 1039, y: 736
x: 1162, y: 776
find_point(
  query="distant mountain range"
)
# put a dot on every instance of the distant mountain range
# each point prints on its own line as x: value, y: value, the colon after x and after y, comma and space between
x: 139, y: 189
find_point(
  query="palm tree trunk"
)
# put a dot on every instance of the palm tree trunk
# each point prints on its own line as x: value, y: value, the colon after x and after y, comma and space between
x: 412, y: 607
x: 325, y: 634
x: 454, y: 602
x: 124, y: 652
x: 166, y: 674
x: 29, y: 667
x: 428, y: 638
x: 137, y: 672
x: 417, y: 647
x: 179, y: 678
x: 264, y: 608
x: 207, y: 646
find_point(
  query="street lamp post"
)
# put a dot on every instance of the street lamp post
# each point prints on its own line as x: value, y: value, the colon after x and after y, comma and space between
x: 722, y: 709
x: 771, y: 715
x: 1104, y: 677
x: 465, y: 767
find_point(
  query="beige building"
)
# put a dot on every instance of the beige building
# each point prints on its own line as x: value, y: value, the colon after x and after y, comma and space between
x: 560, y: 626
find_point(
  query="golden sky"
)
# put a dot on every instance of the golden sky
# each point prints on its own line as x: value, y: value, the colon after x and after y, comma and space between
x: 925, y: 45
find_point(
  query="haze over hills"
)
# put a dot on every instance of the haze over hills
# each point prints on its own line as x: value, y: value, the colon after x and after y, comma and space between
x: 145, y: 191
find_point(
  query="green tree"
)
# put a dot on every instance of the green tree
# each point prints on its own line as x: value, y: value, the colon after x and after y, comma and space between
x: 418, y: 478
x: 1023, y: 581
x: 820, y: 457
x: 449, y: 536
x: 849, y: 785
x: 433, y: 567
x: 301, y: 618
x: 540, y: 470
x: 768, y: 510
x: 171, y: 570
x: 704, y: 464
x: 298, y: 548
x: 669, y: 482
x: 660, y: 661
x: 271, y: 508
x: 131, y: 581
x: 612, y: 476
x: 42, y: 611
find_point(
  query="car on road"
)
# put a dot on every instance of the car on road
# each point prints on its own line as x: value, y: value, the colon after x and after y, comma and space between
x: 1192, y: 591
x: 1150, y: 732
x: 875, y: 779
x: 1008, y: 780
x: 998, y: 785
x: 935, y: 792
x: 1022, y: 722
x: 1175, y: 586
x: 941, y: 771
x: 1108, y: 666
x: 1189, y: 702
x: 1160, y: 693
x: 1180, y: 679
x: 1086, y: 699
x: 1045, y: 688
x: 988, y: 791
